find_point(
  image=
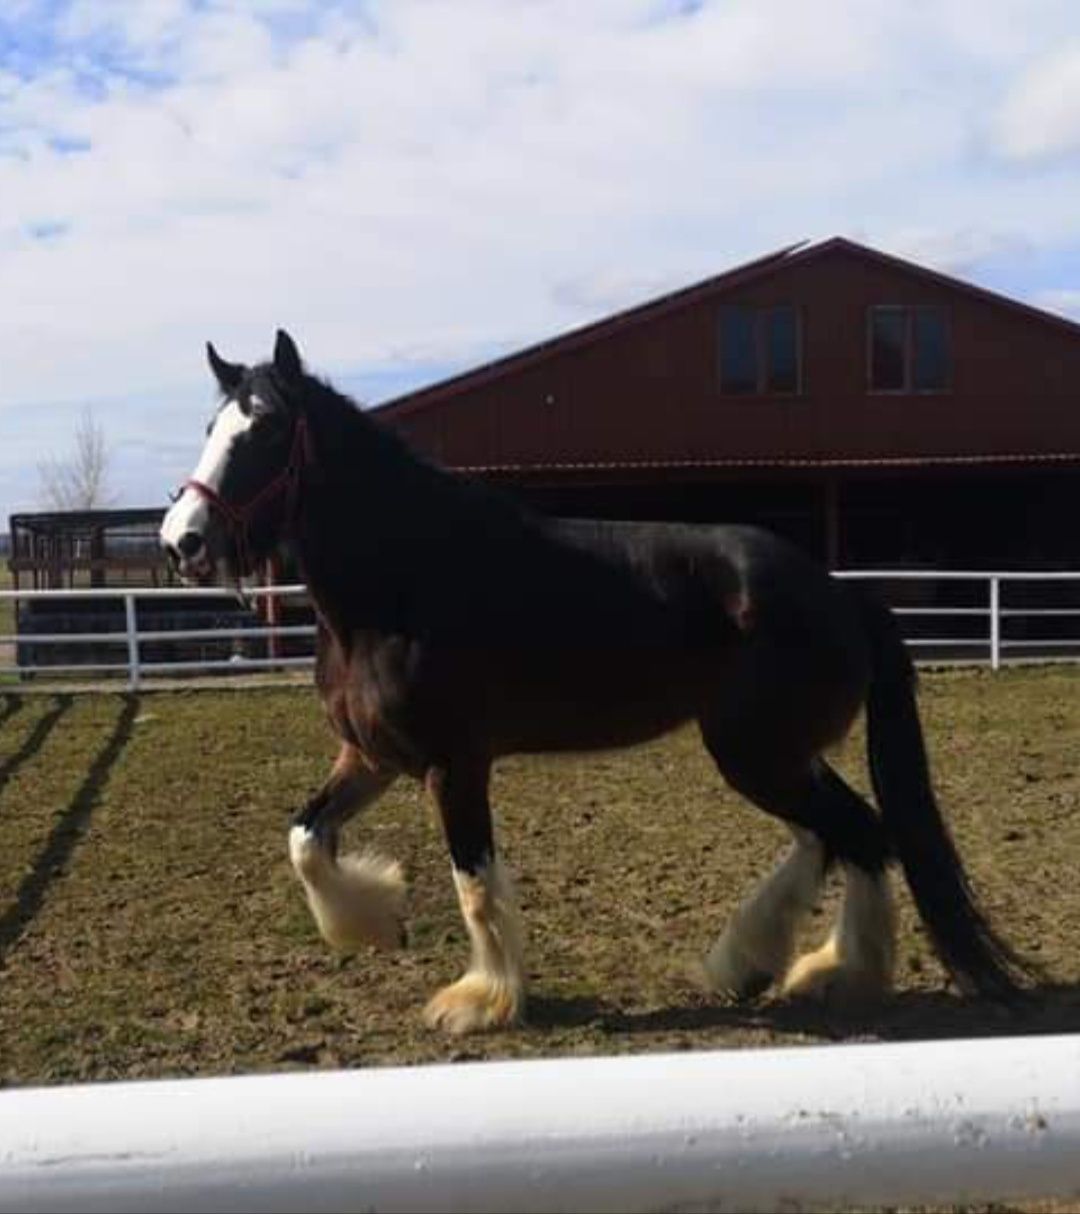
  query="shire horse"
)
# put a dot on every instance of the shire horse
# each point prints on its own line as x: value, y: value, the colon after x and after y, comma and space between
x: 455, y: 626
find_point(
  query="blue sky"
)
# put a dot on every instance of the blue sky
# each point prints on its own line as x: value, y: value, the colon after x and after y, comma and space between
x: 411, y: 186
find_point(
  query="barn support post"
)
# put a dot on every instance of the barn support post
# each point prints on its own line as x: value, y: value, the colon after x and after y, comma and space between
x: 833, y: 559
x: 97, y: 556
x: 272, y: 607
x: 132, y: 626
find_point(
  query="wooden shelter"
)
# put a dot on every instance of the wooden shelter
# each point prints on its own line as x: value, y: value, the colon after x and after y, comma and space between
x: 62, y: 550
x: 98, y: 550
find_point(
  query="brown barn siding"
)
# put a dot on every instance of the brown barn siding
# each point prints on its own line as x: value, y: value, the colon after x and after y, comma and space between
x: 624, y: 419
x: 648, y: 391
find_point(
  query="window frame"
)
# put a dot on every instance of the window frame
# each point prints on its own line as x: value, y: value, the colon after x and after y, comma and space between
x: 909, y: 311
x: 761, y: 315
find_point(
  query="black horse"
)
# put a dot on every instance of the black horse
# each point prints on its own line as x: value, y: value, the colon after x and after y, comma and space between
x: 456, y: 626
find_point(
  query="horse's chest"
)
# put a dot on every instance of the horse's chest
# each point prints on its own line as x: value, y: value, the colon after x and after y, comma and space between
x: 385, y: 708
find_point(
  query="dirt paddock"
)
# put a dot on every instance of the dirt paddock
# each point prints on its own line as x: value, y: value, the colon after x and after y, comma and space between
x: 150, y: 925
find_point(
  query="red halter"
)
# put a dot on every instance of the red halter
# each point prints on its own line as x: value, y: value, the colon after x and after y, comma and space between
x: 287, y: 481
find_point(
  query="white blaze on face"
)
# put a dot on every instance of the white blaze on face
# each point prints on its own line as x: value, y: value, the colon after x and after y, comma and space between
x: 191, y: 511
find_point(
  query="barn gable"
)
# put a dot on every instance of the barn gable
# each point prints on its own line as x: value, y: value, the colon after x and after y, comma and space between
x: 646, y: 386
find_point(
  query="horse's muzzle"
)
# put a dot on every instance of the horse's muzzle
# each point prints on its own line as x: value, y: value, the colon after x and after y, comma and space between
x: 189, y: 557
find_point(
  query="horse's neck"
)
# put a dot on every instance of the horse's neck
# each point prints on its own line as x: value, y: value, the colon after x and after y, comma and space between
x: 370, y: 517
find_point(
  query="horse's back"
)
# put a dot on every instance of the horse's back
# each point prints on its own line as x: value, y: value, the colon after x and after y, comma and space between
x: 742, y: 578
x: 767, y: 630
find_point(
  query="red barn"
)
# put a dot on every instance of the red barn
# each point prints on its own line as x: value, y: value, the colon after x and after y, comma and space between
x: 878, y: 412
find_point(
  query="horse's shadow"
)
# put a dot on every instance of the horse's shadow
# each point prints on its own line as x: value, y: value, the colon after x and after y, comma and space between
x: 909, y: 1015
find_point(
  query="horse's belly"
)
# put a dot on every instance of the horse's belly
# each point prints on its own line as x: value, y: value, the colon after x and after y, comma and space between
x: 586, y: 703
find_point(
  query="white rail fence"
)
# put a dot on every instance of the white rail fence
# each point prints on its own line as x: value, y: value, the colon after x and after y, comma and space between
x: 978, y: 615
x: 819, y: 1127
x: 130, y: 639
x: 984, y: 602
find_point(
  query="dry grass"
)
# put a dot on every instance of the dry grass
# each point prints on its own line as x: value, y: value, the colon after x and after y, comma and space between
x: 149, y: 923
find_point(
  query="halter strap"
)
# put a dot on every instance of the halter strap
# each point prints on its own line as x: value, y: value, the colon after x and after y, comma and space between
x: 287, y: 481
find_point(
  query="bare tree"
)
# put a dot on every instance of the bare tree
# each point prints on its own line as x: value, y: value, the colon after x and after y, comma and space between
x: 79, y: 482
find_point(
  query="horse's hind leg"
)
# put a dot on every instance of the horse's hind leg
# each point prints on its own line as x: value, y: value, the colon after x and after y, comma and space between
x: 858, y: 959
x: 355, y: 899
x: 492, y: 991
x: 758, y: 942
x: 830, y: 822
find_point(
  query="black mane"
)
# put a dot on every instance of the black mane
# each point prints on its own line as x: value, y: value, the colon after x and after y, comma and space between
x: 351, y: 440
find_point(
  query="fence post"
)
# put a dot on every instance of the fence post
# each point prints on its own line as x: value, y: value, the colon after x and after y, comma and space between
x: 132, y: 642
x: 273, y: 607
x: 995, y: 623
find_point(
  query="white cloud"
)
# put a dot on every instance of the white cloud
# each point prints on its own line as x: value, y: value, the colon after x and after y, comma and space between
x: 958, y: 251
x: 142, y: 26
x: 408, y: 181
x: 1040, y: 116
x: 1064, y: 302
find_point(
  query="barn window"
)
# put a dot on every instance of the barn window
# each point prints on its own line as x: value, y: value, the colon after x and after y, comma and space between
x: 782, y: 350
x: 908, y: 349
x: 759, y: 350
x: 738, y: 351
x: 930, y: 358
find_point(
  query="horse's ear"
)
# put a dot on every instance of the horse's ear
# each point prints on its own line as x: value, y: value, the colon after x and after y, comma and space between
x: 287, y: 361
x: 227, y: 374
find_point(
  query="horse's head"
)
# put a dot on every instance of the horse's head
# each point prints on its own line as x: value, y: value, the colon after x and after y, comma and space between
x: 233, y: 510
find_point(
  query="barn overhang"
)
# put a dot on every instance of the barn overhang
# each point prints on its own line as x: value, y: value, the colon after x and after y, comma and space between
x: 645, y: 471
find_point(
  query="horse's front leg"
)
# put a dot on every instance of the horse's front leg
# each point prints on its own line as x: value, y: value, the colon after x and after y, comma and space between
x: 491, y: 993
x: 359, y: 898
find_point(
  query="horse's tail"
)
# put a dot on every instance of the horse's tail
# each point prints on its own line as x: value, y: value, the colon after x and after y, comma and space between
x: 978, y: 959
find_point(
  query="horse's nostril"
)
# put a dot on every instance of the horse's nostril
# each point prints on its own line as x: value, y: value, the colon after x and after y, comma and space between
x: 189, y: 544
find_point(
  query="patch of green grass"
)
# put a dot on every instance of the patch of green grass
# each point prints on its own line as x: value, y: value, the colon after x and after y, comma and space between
x: 150, y: 923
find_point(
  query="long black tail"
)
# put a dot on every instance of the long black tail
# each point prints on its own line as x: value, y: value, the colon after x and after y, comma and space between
x: 978, y: 959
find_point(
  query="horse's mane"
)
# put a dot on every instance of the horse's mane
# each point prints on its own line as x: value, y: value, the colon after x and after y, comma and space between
x: 361, y: 448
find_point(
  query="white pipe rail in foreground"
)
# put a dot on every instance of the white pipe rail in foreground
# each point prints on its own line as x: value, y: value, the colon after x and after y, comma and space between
x: 816, y: 1127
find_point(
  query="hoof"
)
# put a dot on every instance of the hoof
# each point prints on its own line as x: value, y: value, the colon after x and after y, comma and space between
x: 733, y: 976
x: 822, y: 977
x: 356, y: 900
x: 473, y: 1004
x: 751, y: 986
